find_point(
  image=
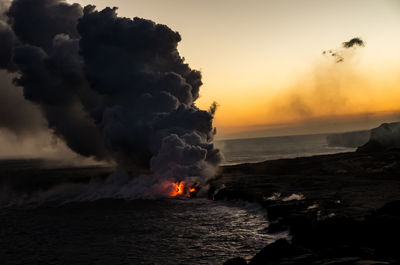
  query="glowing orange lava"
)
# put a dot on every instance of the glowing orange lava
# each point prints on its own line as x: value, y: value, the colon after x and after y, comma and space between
x: 177, y: 189
x: 193, y: 190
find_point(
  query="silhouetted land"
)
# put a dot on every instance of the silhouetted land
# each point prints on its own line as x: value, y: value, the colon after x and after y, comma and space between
x: 345, y: 208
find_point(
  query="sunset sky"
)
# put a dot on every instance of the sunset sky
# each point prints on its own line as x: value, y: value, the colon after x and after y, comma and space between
x: 262, y: 61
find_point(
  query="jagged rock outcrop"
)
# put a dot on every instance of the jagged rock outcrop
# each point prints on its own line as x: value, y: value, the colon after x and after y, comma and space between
x: 385, y: 137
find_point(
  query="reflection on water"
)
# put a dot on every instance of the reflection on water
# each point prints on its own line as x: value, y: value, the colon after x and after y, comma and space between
x: 113, y: 232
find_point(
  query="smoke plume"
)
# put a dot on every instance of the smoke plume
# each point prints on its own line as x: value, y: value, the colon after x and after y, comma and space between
x: 329, y: 90
x: 113, y: 88
x: 16, y: 114
x: 353, y: 42
x: 339, y: 54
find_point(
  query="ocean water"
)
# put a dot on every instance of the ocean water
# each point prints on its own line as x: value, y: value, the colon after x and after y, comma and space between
x: 164, y: 231
x: 113, y: 232
x: 269, y: 148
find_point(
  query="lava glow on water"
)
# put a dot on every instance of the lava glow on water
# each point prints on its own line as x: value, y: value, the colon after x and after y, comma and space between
x: 181, y: 189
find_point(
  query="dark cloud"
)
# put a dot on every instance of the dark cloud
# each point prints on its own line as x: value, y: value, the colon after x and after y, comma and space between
x: 148, y: 91
x: 7, y: 37
x: 339, y: 54
x: 37, y: 22
x: 112, y: 88
x: 16, y: 114
x: 353, y: 42
x: 56, y: 83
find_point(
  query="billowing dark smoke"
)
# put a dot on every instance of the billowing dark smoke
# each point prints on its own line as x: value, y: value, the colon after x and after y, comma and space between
x: 7, y: 37
x: 353, y: 42
x: 338, y: 54
x: 112, y: 88
x: 16, y: 114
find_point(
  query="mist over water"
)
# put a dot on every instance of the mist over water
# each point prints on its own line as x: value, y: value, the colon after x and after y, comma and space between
x: 253, y: 150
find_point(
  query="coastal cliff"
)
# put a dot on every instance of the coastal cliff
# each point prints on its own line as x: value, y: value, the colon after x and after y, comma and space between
x: 386, y: 136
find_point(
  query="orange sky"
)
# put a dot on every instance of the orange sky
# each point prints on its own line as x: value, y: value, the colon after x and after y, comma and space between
x: 262, y: 60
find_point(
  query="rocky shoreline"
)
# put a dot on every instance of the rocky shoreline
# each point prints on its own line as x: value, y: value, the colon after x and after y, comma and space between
x: 339, y: 209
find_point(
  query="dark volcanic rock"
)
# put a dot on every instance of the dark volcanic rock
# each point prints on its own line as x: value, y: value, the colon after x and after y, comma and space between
x: 339, y: 209
x: 383, y: 227
x: 385, y: 137
x: 235, y: 261
x: 282, y: 250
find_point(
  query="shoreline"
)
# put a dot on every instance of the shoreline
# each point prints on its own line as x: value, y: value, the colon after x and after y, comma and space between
x: 340, y: 208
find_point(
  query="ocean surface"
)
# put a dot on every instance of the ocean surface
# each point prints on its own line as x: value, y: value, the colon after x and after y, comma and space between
x: 167, y: 231
x: 270, y: 148
x: 111, y: 232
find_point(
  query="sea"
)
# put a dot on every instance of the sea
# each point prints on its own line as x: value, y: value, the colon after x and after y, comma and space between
x: 253, y: 150
x: 164, y: 231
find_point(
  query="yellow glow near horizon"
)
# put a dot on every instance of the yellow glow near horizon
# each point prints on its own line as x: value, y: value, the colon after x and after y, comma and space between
x: 261, y: 60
